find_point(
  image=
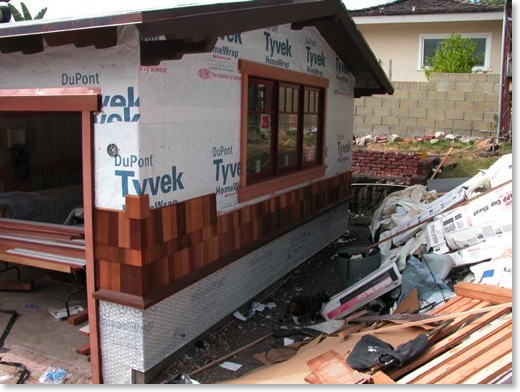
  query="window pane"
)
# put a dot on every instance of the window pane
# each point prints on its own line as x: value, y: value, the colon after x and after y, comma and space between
x: 260, y: 128
x: 287, y: 141
x: 432, y: 44
x: 259, y: 143
x: 281, y: 99
x: 310, y: 138
x: 481, y: 50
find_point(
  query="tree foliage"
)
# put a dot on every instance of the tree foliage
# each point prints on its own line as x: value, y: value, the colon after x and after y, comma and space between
x: 455, y: 55
x: 25, y: 14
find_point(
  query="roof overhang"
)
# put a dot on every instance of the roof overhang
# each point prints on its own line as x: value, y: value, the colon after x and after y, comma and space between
x: 429, y: 18
x: 195, y: 29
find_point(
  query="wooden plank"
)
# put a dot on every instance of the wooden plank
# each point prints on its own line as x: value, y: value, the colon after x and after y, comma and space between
x: 452, y: 340
x: 83, y: 349
x: 38, y: 263
x: 488, y: 353
x: 484, y: 292
x: 78, y: 318
x: 331, y: 368
x: 381, y: 378
x: 492, y: 370
x: 434, y: 319
x: 440, y: 364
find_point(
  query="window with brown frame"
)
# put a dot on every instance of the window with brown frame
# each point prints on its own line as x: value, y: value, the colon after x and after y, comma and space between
x: 283, y: 129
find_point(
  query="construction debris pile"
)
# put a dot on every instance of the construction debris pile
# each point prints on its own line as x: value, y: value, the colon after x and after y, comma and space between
x: 446, y: 259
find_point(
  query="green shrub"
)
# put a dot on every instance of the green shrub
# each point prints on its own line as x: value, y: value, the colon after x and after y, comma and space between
x: 455, y: 55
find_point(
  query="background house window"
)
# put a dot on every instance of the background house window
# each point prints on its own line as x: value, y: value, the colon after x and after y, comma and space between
x: 430, y: 43
x: 284, y: 128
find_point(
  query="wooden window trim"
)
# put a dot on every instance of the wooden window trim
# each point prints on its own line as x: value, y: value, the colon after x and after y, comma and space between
x: 247, y: 192
x: 51, y: 100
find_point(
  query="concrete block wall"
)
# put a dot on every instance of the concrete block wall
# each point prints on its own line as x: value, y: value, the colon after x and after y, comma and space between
x: 462, y: 104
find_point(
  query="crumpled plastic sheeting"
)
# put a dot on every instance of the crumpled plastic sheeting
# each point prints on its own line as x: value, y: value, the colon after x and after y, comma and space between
x: 498, y: 173
x: 400, y: 206
x: 430, y: 288
x: 54, y: 376
x: 414, y: 246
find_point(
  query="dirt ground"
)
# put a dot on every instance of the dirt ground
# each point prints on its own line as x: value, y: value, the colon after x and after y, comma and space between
x: 202, y: 360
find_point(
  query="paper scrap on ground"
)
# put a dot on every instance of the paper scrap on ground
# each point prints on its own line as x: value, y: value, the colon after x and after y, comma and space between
x: 287, y: 341
x: 328, y: 327
x: 60, y: 314
x: 255, y: 307
x: 230, y: 366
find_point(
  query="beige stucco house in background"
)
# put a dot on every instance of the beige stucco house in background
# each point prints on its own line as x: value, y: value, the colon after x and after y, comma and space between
x: 401, y: 33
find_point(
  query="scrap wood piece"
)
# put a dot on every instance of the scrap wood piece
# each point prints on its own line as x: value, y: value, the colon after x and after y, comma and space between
x: 442, y: 163
x: 492, y: 371
x: 83, y: 349
x: 346, y: 332
x: 331, y: 368
x: 458, y: 363
x: 380, y: 377
x: 473, y: 365
x: 459, y: 321
x: 409, y: 304
x: 508, y: 305
x: 493, y: 294
x: 456, y: 338
x: 78, y: 318
x: 394, y: 317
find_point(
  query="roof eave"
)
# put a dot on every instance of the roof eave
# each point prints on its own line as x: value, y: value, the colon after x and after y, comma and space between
x: 206, y: 23
x: 428, y: 18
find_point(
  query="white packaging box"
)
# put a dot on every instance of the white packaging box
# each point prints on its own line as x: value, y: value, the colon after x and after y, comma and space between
x: 361, y: 293
x: 491, y: 248
x: 435, y: 242
x: 495, y: 205
x: 473, y: 235
x: 434, y: 208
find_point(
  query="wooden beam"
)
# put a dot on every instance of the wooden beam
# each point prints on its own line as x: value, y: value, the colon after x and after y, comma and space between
x: 485, y: 292
x: 435, y: 319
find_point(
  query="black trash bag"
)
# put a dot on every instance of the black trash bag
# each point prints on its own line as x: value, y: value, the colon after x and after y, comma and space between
x: 371, y: 351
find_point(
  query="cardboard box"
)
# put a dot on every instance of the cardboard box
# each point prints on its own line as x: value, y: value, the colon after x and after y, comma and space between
x: 369, y: 288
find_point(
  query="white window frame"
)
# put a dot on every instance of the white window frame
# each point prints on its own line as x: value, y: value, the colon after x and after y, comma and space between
x: 487, y: 55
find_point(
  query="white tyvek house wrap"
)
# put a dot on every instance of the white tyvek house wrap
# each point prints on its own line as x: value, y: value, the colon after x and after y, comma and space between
x: 114, y: 70
x: 190, y: 113
x: 177, y: 126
